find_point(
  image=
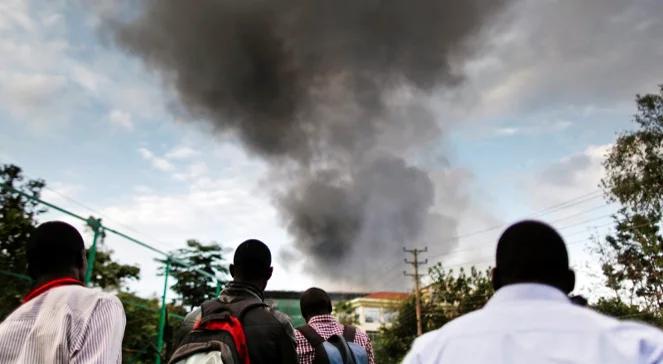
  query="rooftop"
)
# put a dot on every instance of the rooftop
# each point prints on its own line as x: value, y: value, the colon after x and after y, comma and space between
x: 394, y: 296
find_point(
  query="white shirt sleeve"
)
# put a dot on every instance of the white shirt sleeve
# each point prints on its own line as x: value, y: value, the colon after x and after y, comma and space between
x: 101, y: 340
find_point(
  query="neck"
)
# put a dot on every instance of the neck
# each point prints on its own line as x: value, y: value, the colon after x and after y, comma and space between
x: 51, y: 276
x: 260, y: 286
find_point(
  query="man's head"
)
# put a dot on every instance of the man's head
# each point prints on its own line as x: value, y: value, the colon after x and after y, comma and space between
x: 252, y: 263
x: 532, y: 252
x: 314, y: 302
x: 56, y: 249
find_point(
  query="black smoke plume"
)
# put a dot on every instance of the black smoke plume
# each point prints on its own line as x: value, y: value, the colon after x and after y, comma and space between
x: 328, y: 92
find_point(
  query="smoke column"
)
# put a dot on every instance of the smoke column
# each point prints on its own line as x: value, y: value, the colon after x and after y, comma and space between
x: 328, y: 93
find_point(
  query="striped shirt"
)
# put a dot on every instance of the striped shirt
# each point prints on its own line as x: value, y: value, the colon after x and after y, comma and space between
x: 66, y: 324
x: 326, y: 326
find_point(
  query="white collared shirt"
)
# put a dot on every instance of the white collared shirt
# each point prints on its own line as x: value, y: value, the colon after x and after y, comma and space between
x: 66, y: 324
x: 537, y: 324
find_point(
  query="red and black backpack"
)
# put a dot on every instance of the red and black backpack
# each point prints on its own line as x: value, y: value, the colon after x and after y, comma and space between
x: 217, y: 336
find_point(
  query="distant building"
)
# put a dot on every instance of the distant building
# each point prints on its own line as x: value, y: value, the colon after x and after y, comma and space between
x: 377, y: 309
x: 288, y: 302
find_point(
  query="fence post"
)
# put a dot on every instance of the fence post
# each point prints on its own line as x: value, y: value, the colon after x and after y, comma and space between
x: 218, y: 288
x: 162, y: 315
x: 95, y: 225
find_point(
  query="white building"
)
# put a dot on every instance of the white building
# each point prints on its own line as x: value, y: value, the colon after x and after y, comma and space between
x: 377, y: 309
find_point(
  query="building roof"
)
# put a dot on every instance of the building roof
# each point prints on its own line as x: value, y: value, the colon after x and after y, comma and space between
x: 394, y: 296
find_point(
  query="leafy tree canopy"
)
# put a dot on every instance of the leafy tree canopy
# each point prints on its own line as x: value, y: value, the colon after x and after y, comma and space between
x: 193, y: 286
x: 632, y: 257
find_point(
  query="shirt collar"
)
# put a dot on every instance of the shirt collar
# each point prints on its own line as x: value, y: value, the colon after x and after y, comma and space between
x: 65, y: 281
x: 236, y: 288
x: 321, y: 319
x: 527, y: 292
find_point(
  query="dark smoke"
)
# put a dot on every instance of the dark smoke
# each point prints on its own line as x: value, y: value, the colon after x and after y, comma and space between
x: 328, y: 92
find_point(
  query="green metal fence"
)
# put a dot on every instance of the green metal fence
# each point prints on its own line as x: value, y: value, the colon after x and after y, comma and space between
x: 99, y: 231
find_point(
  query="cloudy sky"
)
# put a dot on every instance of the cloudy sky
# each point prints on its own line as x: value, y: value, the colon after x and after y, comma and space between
x: 523, y: 135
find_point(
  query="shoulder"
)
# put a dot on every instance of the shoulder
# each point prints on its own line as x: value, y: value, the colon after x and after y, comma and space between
x: 424, y: 344
x: 632, y: 330
x: 281, y: 317
x: 300, y: 338
x: 84, y: 299
x: 436, y: 338
x: 361, y: 334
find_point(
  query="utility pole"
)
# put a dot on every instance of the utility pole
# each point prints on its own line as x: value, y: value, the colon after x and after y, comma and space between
x: 415, y: 252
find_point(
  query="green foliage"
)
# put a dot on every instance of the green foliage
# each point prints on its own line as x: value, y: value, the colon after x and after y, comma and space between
x: 109, y: 274
x: 345, y: 313
x: 18, y: 218
x: 192, y: 286
x: 139, y: 345
x: 457, y: 294
x: 634, y: 167
x: 632, y: 258
x: 392, y: 342
x: 621, y: 310
x: 449, y: 296
x: 17, y: 221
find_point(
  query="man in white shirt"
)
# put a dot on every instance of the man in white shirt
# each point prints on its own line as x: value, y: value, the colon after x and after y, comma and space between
x: 530, y: 320
x: 60, y: 321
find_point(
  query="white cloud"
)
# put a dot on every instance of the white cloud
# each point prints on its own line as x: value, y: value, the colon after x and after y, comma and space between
x: 572, y: 175
x: 581, y: 213
x: 194, y: 172
x: 86, y: 78
x: 14, y: 13
x: 181, y: 152
x: 572, y: 185
x: 558, y: 54
x: 537, y: 127
x: 60, y: 193
x: 121, y: 118
x: 211, y: 209
x: 507, y: 131
x: 26, y: 95
x: 159, y: 163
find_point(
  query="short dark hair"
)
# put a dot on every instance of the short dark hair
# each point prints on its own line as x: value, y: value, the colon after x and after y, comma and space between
x: 252, y: 260
x: 315, y: 301
x: 54, y: 247
x: 532, y: 251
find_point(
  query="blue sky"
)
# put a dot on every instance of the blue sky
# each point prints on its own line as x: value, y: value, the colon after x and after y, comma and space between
x: 541, y: 102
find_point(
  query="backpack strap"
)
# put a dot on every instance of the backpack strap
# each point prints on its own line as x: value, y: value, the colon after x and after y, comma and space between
x: 244, y: 310
x: 213, y: 310
x: 349, y: 333
x: 316, y: 342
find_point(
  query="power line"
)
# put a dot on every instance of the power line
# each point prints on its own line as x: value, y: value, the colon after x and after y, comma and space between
x: 572, y: 202
x: 96, y: 212
x: 546, y: 210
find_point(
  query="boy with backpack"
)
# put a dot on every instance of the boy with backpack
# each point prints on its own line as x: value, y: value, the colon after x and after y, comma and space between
x: 238, y: 327
x: 323, y: 339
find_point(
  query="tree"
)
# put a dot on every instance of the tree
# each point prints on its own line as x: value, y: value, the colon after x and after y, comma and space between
x: 449, y: 295
x: 632, y: 257
x: 345, y: 313
x: 139, y: 345
x: 193, y: 286
x: 18, y: 218
x: 617, y: 308
x: 109, y: 274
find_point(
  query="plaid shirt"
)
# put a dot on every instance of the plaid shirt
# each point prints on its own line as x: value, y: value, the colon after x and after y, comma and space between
x: 326, y: 326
